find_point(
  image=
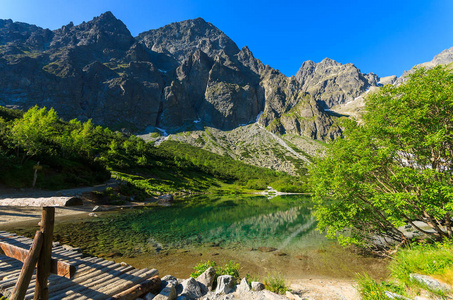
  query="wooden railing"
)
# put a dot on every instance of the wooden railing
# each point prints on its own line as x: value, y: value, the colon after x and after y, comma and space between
x: 38, y: 256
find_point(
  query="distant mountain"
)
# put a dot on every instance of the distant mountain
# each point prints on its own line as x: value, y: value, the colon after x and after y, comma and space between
x: 443, y: 58
x: 333, y: 83
x: 182, y: 76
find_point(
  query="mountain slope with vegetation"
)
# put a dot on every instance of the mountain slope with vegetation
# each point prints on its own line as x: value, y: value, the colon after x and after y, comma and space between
x: 78, y: 153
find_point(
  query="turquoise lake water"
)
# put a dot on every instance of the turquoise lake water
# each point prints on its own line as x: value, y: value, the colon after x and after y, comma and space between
x: 263, y: 235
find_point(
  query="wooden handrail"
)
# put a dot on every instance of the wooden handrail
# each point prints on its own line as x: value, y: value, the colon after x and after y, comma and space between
x: 20, y: 289
x: 58, y: 267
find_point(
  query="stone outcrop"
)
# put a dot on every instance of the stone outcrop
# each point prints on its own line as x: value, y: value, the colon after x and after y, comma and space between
x: 332, y: 83
x: 179, y: 77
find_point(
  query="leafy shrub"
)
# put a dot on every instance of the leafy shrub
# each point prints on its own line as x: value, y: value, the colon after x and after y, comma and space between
x: 201, y: 267
x: 275, y: 283
x: 230, y: 268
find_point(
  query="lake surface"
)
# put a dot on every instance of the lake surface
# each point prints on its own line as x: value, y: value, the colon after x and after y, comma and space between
x: 264, y: 235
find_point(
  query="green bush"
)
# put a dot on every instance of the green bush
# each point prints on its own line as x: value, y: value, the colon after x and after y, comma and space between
x: 201, y: 267
x: 275, y: 283
x: 230, y: 268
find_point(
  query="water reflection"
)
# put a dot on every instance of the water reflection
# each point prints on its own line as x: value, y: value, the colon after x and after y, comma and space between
x: 283, y: 222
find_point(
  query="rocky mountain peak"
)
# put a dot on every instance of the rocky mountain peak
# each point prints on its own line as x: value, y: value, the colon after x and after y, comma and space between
x: 177, y: 40
x: 332, y: 83
x: 105, y: 31
x: 328, y: 62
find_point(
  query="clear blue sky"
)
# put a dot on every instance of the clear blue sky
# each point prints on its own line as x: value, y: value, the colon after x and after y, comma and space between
x: 385, y: 37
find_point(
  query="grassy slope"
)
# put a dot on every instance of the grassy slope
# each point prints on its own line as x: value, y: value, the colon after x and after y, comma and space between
x: 76, y: 154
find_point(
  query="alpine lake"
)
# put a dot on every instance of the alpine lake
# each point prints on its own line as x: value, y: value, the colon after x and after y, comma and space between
x: 264, y: 235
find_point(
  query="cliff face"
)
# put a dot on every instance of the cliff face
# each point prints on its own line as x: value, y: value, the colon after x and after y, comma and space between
x: 183, y: 75
x: 332, y: 83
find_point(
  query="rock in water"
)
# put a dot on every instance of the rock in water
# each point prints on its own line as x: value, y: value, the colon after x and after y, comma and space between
x: 206, y: 280
x: 225, y: 284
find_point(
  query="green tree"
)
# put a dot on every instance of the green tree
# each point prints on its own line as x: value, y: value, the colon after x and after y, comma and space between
x: 393, y: 168
x: 32, y: 133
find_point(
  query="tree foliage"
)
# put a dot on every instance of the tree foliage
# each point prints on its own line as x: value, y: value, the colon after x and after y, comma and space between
x: 79, y: 153
x: 393, y: 169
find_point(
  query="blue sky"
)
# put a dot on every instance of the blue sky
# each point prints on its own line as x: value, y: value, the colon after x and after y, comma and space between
x: 384, y: 37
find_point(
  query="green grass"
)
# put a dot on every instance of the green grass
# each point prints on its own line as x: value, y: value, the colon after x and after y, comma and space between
x: 435, y: 260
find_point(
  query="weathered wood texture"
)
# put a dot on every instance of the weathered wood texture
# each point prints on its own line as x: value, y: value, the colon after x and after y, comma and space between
x: 95, y: 278
x: 20, y: 289
x: 151, y: 285
x: 61, y: 268
x: 44, y: 263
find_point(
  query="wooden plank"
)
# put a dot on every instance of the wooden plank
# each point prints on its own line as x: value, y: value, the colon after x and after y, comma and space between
x: 27, y: 269
x: 150, y: 285
x: 90, y: 286
x: 58, y: 267
x: 127, y: 282
x: 44, y: 262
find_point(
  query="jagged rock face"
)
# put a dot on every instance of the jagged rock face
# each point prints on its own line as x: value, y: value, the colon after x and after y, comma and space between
x: 333, y: 83
x: 178, y: 40
x: 174, y: 77
x: 94, y: 70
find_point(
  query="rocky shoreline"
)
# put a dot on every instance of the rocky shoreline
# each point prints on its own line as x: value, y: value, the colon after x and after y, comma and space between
x: 202, y: 288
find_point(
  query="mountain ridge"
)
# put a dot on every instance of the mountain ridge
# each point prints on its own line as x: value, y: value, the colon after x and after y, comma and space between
x: 187, y: 76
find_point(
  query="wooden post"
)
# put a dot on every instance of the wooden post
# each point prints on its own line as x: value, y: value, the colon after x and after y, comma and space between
x: 35, y: 175
x: 44, y: 262
x: 27, y: 269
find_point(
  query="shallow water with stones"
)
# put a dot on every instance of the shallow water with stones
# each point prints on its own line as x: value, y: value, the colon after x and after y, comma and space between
x: 263, y: 235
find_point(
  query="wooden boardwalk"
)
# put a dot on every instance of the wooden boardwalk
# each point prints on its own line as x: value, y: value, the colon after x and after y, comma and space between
x: 95, y: 278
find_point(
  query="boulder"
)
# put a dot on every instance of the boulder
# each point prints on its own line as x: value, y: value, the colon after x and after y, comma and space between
x: 257, y: 286
x: 167, y: 293
x: 169, y: 279
x: 191, y: 289
x: 225, y: 284
x: 243, y: 287
x: 430, y: 282
x: 392, y: 295
x: 206, y: 280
